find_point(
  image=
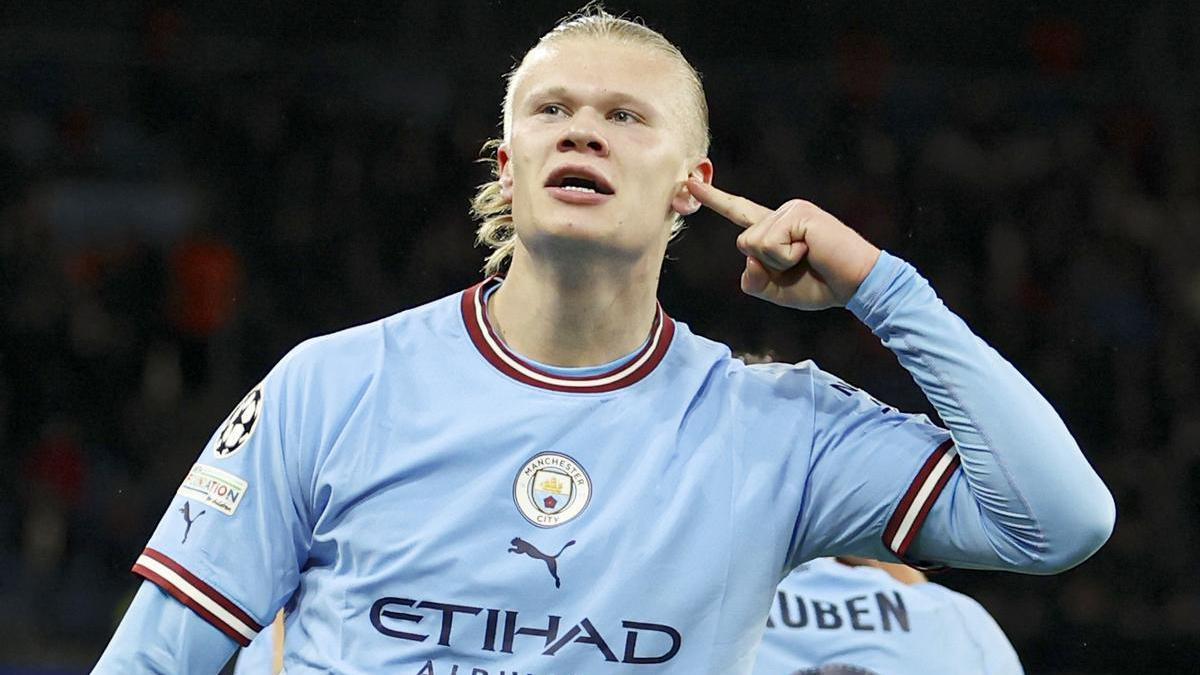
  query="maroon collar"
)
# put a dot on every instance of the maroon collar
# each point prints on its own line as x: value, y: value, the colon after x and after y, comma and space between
x: 474, y: 312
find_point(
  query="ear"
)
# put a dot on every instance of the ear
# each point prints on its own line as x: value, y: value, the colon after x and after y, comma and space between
x: 504, y: 161
x: 683, y: 202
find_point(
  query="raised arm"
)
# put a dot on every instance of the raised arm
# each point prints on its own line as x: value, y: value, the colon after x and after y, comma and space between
x: 1025, y: 498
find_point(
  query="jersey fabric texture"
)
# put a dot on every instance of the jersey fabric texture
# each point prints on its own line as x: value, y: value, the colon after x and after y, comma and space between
x: 259, y: 657
x: 828, y: 615
x: 430, y: 502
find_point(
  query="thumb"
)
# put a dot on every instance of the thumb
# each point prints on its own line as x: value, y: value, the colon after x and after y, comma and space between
x: 755, y: 277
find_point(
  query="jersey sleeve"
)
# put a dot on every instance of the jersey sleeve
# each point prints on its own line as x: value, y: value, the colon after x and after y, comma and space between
x: 873, y: 474
x: 1025, y: 499
x: 235, y: 536
x: 259, y: 657
x: 160, y: 635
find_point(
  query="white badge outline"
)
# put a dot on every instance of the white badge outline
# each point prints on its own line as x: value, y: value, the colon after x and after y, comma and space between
x: 531, y: 512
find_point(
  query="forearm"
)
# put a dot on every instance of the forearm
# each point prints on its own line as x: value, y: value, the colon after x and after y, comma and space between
x: 160, y: 635
x: 1038, y: 505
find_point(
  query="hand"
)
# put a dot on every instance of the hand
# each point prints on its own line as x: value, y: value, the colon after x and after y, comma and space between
x: 797, y: 255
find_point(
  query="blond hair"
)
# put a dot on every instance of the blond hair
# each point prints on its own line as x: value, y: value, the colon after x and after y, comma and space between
x: 489, y: 207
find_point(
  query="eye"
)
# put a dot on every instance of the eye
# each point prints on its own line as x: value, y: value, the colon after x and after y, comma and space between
x: 624, y: 117
x: 552, y: 109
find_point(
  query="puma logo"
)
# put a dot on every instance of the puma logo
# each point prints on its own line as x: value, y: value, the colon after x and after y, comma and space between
x: 522, y: 547
x: 187, y: 518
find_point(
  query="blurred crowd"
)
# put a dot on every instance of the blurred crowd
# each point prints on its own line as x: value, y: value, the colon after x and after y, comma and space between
x: 175, y: 217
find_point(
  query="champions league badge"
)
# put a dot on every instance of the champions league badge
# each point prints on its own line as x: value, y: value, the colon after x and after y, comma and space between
x: 240, y: 424
x: 551, y: 490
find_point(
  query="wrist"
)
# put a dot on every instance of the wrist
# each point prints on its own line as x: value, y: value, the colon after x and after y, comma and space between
x: 884, y: 274
x: 870, y: 260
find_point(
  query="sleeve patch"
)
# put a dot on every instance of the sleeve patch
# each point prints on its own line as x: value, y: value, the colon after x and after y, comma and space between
x: 240, y: 424
x: 213, y: 487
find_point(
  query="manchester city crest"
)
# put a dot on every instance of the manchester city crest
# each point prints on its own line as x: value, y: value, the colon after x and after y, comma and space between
x: 551, y: 489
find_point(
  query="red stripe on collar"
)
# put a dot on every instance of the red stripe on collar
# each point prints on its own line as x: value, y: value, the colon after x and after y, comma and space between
x: 493, y: 349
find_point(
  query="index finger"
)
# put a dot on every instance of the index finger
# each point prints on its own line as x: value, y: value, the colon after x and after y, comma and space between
x: 739, y: 210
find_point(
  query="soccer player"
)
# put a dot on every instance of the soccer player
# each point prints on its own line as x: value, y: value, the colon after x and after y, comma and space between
x: 865, y: 616
x: 547, y: 474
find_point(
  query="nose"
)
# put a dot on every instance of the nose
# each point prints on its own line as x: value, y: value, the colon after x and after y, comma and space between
x: 583, y: 136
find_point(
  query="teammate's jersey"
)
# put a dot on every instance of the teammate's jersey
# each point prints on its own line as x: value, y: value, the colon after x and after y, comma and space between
x: 828, y: 615
x: 434, y: 501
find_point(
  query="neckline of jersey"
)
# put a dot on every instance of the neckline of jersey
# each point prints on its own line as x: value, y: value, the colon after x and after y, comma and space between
x: 495, y: 352
x: 562, y: 371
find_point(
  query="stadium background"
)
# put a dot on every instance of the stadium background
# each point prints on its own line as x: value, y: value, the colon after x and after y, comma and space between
x: 187, y: 190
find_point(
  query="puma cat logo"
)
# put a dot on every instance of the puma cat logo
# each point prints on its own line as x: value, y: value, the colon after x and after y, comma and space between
x: 187, y: 518
x: 522, y: 547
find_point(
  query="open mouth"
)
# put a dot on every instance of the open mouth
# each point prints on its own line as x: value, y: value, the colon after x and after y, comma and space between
x: 579, y: 179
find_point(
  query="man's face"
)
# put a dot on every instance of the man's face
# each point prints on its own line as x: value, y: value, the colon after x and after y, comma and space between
x: 602, y: 142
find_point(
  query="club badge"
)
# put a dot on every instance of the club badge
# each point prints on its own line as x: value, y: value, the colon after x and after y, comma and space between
x: 551, y: 489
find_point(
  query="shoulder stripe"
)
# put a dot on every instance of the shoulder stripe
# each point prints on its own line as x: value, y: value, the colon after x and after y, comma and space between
x: 910, y: 514
x: 201, y: 598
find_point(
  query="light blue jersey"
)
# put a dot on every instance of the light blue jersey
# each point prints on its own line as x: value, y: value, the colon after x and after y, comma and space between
x: 259, y: 657
x: 828, y: 615
x: 432, y: 504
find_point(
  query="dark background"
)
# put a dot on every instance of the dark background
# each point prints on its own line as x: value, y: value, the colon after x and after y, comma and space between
x: 187, y: 190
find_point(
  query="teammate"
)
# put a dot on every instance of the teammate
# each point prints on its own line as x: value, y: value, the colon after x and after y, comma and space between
x: 546, y: 474
x: 866, y: 616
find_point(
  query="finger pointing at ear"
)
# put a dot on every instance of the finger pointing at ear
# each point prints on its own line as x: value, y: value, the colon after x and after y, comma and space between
x: 738, y: 210
x: 797, y: 255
